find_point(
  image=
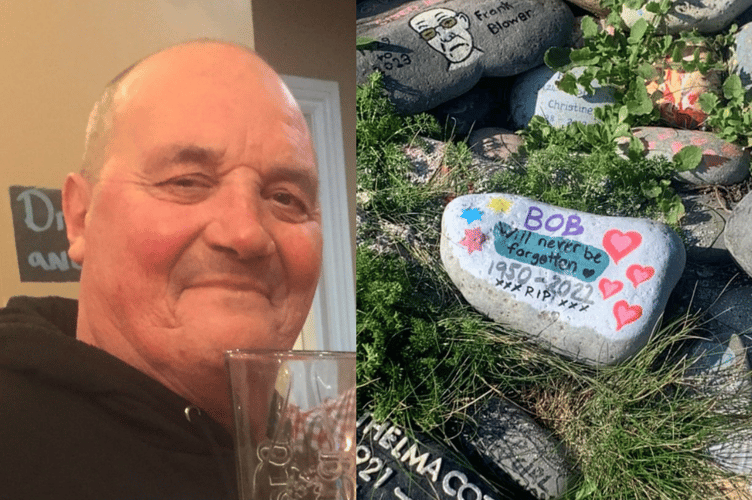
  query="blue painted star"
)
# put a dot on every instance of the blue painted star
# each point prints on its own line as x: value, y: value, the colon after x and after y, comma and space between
x: 471, y: 215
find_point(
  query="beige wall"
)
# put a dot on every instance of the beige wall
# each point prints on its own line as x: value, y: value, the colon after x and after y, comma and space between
x: 57, y: 56
x: 314, y: 39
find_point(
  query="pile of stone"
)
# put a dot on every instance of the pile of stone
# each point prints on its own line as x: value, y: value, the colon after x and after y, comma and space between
x: 589, y: 287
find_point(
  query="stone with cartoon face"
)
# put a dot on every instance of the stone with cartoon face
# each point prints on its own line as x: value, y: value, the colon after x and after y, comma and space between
x: 433, y: 51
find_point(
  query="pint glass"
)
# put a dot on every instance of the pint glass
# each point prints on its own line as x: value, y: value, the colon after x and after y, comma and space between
x: 294, y: 424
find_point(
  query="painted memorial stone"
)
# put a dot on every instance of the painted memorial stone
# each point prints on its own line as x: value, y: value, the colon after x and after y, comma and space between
x: 431, y: 51
x: 535, y: 93
x: 738, y: 236
x: 509, y: 442
x: 393, y: 465
x: 708, y: 16
x: 495, y: 143
x: 722, y: 163
x: 741, y: 56
x: 590, y: 287
x: 678, y: 92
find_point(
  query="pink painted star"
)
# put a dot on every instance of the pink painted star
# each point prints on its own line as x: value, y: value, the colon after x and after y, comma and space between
x: 474, y: 239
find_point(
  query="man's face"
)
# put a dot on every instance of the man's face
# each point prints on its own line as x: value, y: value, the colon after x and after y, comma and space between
x: 446, y: 31
x: 204, y: 231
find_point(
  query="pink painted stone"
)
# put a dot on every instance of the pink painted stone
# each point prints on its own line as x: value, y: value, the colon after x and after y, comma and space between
x: 722, y: 163
x: 679, y: 92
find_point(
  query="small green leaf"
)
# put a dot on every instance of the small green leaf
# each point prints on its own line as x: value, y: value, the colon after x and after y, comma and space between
x: 688, y: 158
x: 364, y: 42
x: 557, y: 58
x: 653, y: 7
x: 708, y: 102
x: 677, y: 54
x: 732, y: 87
x: 623, y: 113
x: 636, y: 148
x: 640, y: 103
x: 589, y: 27
x: 638, y: 31
x: 647, y: 71
x: 584, y: 57
x: 651, y: 189
x: 568, y: 84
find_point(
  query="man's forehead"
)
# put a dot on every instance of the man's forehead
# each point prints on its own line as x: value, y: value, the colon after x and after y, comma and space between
x: 178, y: 66
x: 430, y: 18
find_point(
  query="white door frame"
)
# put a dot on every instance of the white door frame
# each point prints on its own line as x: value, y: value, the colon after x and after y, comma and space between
x: 334, y: 304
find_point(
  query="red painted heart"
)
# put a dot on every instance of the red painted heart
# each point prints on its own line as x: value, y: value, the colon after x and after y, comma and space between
x: 618, y: 244
x: 638, y: 274
x: 626, y: 314
x: 609, y: 288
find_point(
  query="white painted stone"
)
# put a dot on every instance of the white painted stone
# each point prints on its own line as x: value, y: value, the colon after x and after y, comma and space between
x: 708, y: 16
x: 589, y: 287
x: 535, y: 93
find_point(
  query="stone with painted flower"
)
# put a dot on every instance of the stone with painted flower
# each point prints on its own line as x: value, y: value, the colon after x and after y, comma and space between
x: 587, y: 286
x: 431, y: 51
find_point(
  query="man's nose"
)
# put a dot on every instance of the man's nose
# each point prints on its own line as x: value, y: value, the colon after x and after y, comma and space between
x: 238, y: 225
x: 444, y: 34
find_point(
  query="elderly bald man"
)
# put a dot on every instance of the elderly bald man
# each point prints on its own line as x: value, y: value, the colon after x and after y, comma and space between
x: 196, y: 221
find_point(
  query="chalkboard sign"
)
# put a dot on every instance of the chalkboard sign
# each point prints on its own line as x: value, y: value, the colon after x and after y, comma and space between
x: 41, y: 242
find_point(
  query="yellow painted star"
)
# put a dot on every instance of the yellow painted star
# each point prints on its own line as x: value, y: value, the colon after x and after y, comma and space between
x: 500, y: 205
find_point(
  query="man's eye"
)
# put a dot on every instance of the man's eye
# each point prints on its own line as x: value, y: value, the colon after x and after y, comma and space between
x: 189, y: 182
x: 186, y: 188
x: 284, y: 198
x: 289, y: 207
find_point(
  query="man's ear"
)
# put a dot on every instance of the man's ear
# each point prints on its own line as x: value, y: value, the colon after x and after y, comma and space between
x: 76, y: 199
x: 465, y: 20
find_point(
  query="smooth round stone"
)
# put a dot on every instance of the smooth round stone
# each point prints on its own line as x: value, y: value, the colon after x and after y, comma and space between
x: 739, y: 236
x: 732, y: 312
x: 586, y: 286
x: 495, y: 143
x: 460, y: 115
x: 741, y: 56
x: 432, y: 53
x: 708, y: 16
x: 592, y: 6
x: 722, y: 163
x: 510, y: 443
x: 703, y: 226
x: 535, y: 93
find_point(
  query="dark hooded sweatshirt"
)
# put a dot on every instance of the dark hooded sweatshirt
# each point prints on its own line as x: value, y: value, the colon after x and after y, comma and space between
x: 78, y: 423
